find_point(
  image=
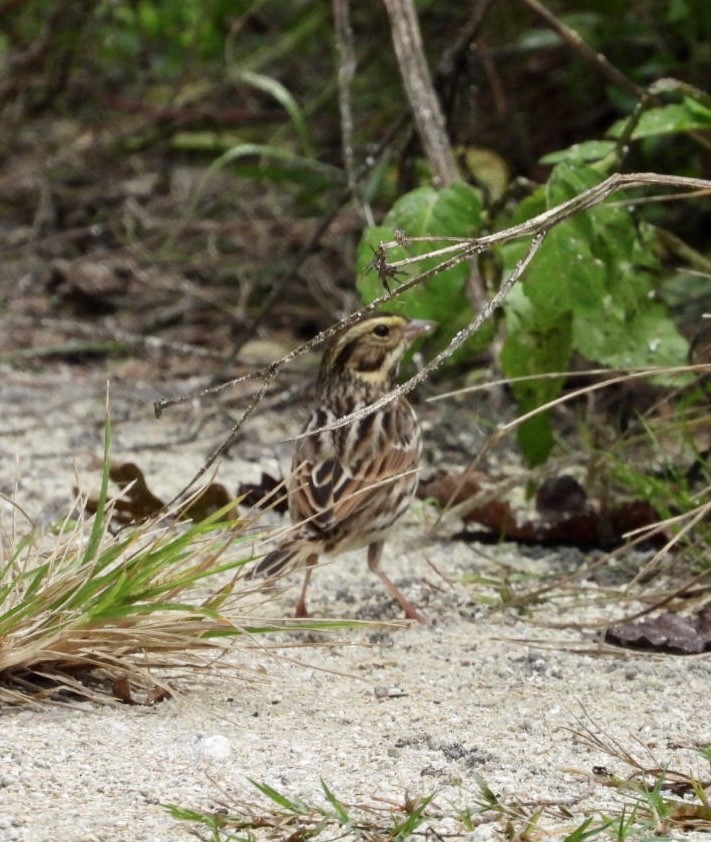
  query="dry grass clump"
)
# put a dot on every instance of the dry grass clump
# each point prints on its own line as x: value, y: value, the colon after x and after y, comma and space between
x: 116, y: 615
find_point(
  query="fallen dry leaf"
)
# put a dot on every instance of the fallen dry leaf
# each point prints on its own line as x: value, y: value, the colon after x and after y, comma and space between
x: 269, y: 493
x: 672, y: 633
x: 122, y: 690
x: 567, y: 517
x: 139, y: 502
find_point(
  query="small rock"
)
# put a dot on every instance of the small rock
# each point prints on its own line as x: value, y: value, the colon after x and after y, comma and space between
x: 389, y: 692
x: 216, y: 747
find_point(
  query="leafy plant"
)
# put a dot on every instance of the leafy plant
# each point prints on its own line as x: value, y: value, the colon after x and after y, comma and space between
x: 655, y: 799
x: 646, y: 806
x: 592, y: 289
x: 454, y: 211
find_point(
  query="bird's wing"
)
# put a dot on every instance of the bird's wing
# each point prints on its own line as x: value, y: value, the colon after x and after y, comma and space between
x: 330, y: 492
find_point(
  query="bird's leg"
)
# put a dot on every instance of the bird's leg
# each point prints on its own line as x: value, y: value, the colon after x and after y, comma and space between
x: 301, y: 610
x: 411, y: 613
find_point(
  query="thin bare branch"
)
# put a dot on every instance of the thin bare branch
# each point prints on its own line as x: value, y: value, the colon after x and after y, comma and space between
x: 346, y: 71
x: 417, y: 80
x: 544, y: 221
x: 454, y: 53
x: 456, y: 342
x: 573, y: 39
x: 646, y: 96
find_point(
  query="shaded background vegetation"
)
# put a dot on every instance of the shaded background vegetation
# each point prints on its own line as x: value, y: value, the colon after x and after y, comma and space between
x: 175, y: 170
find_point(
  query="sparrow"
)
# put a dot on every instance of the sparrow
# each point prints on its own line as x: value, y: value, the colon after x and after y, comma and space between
x: 348, y: 486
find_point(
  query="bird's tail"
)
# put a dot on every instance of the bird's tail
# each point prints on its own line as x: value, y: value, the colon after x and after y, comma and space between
x: 287, y: 556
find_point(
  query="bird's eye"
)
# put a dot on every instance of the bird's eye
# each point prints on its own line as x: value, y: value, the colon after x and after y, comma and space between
x: 381, y: 330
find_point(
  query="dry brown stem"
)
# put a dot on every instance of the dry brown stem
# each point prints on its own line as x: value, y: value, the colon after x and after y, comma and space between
x: 421, y: 94
x: 573, y: 39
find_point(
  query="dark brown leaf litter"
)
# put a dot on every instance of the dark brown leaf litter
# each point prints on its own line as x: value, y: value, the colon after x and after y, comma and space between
x: 138, y: 502
x: 566, y: 515
x: 123, y: 691
x: 674, y: 634
x: 268, y: 493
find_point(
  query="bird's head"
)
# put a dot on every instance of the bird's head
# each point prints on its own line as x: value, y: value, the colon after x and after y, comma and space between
x: 370, y: 350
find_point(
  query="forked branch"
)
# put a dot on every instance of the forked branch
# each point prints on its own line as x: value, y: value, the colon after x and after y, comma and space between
x: 535, y: 228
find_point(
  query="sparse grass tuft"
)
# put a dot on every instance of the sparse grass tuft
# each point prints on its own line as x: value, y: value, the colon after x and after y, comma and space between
x: 292, y: 818
x: 650, y: 801
x: 654, y: 798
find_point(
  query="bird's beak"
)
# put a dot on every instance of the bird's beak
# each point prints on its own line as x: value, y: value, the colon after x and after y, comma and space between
x: 418, y: 327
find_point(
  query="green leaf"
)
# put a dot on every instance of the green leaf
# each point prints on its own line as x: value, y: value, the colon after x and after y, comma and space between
x: 97, y: 527
x: 403, y: 830
x: 293, y: 806
x: 535, y: 438
x: 340, y: 810
x: 677, y: 117
x: 699, y: 110
x: 581, y: 153
x: 454, y: 211
x: 590, y: 289
x: 535, y: 348
x: 581, y: 833
x: 529, y: 207
x: 650, y: 338
x: 283, y: 96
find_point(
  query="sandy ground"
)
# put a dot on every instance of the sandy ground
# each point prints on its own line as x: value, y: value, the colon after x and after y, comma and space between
x: 379, y: 714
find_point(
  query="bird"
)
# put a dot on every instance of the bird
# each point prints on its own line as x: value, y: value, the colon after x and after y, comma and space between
x: 348, y: 486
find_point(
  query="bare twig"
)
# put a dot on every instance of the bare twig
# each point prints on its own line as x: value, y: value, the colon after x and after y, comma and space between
x: 456, y: 342
x: 646, y: 96
x: 453, y: 54
x: 346, y: 72
x: 416, y: 78
x: 281, y: 283
x: 573, y: 39
x: 543, y: 221
x: 447, y: 60
x: 656, y: 93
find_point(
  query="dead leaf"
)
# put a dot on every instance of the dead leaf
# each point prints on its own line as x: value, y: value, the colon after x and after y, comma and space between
x: 210, y: 500
x: 567, y: 517
x: 690, y: 816
x: 139, y: 502
x: 561, y: 496
x: 122, y: 690
x: 269, y: 493
x: 451, y: 489
x: 673, y: 633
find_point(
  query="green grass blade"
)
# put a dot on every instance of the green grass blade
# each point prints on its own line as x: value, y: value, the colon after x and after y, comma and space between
x: 295, y: 807
x: 97, y: 528
x: 275, y: 153
x: 404, y: 829
x: 341, y: 812
x: 581, y: 833
x: 284, y: 97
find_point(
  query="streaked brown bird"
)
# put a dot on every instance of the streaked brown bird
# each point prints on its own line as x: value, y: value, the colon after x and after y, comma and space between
x: 348, y: 486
